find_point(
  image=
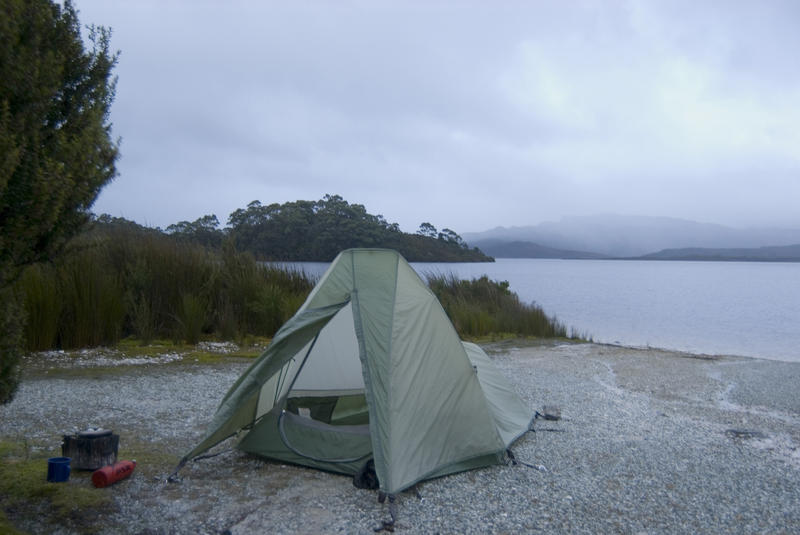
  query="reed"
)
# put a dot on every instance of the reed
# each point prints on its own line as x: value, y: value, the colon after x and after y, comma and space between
x: 39, y: 288
x: 142, y: 319
x: 238, y: 287
x: 126, y: 283
x: 149, y: 285
x: 257, y: 298
x: 480, y: 307
x: 225, y: 320
x: 191, y: 318
x: 92, y: 300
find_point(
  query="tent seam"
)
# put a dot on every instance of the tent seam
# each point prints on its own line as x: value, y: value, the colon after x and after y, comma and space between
x: 389, y: 393
x: 377, y: 450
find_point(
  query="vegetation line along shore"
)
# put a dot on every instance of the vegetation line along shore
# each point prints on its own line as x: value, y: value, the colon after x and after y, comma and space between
x: 122, y: 281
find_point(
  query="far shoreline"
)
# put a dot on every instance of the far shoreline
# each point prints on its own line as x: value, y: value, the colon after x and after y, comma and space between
x: 544, y: 342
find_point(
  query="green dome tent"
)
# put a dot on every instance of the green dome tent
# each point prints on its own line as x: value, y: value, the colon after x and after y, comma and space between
x: 370, y: 367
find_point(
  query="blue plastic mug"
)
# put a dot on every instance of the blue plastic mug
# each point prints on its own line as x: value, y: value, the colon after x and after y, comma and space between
x: 58, y: 469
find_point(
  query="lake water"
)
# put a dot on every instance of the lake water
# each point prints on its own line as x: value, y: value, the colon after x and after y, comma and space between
x: 734, y: 308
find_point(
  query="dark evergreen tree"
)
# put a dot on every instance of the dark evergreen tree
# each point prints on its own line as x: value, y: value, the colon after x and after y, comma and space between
x: 426, y: 229
x: 56, y: 150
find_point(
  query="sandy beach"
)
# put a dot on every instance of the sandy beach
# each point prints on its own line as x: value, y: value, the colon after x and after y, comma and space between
x: 649, y: 442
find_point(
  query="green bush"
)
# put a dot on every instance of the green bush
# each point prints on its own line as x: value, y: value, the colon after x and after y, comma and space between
x: 125, y: 281
x: 191, y: 318
x: 480, y: 307
x: 92, y: 300
x: 142, y: 319
x: 225, y: 320
x: 40, y: 291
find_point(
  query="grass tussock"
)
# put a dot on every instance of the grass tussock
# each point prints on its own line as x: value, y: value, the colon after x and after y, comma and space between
x: 482, y: 307
x: 152, y: 286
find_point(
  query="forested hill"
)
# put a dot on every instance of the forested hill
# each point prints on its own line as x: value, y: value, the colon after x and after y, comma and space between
x: 318, y: 230
x: 784, y: 253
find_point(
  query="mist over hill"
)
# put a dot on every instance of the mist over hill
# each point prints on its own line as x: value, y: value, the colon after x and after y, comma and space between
x: 628, y: 236
x: 783, y: 253
x: 526, y: 249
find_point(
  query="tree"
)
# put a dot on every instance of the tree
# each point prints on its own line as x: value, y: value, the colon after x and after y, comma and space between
x: 426, y: 229
x: 204, y: 230
x: 450, y: 236
x: 56, y: 150
x: 319, y: 230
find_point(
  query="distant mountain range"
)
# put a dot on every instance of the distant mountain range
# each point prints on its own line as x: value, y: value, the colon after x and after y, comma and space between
x: 614, y: 236
x: 526, y: 249
x: 785, y: 253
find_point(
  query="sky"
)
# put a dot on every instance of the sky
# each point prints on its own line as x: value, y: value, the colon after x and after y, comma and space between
x: 467, y: 115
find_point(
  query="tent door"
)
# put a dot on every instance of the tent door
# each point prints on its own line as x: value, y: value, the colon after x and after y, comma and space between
x: 324, y: 415
x: 323, y: 442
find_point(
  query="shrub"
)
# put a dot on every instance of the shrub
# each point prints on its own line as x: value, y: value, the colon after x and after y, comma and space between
x: 124, y: 281
x: 191, y: 317
x: 480, y: 307
x: 40, y: 293
x: 92, y: 300
x: 142, y: 319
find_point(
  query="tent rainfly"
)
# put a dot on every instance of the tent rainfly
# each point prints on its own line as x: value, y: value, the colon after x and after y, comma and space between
x: 370, y: 367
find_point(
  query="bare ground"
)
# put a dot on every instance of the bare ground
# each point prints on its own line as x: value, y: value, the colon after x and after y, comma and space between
x: 650, y: 442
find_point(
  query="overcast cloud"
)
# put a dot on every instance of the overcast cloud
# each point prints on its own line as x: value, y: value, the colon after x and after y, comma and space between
x: 466, y: 115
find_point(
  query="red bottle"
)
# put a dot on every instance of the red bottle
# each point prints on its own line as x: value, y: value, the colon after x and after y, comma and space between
x: 112, y: 473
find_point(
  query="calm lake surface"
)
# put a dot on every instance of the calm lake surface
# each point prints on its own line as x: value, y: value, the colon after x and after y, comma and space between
x: 733, y: 308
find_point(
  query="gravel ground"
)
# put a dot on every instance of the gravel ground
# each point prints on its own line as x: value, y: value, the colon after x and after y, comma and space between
x: 649, y: 442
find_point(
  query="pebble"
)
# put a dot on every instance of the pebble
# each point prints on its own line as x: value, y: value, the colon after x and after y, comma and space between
x: 649, y: 441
